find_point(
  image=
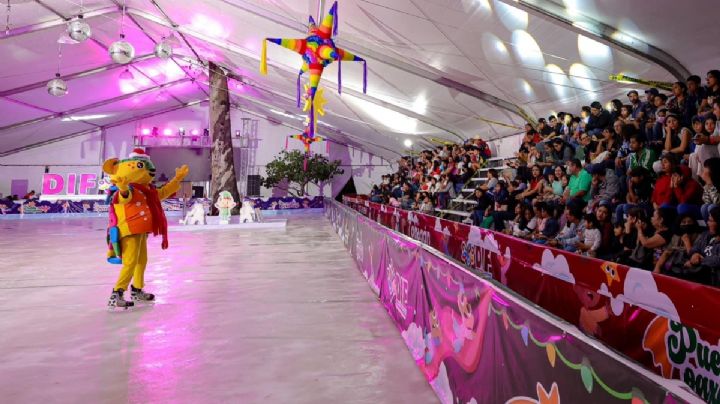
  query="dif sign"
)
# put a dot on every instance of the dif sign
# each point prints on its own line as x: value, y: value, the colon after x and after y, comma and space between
x: 68, y: 184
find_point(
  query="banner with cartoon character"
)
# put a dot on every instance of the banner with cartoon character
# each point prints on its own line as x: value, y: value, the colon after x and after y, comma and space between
x: 629, y: 309
x: 475, y: 342
x: 36, y: 206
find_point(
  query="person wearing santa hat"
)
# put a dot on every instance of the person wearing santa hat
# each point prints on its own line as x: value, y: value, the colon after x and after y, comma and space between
x: 135, y: 211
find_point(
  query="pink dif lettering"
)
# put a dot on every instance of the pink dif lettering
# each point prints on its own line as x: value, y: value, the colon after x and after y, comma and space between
x: 53, y: 184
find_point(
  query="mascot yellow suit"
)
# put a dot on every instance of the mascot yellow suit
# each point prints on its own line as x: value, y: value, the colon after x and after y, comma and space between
x: 135, y: 211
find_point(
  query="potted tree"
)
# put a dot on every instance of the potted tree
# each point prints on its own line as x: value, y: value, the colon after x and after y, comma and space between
x: 289, y: 172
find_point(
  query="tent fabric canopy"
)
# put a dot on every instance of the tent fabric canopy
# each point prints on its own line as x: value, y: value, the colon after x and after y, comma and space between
x: 448, y: 69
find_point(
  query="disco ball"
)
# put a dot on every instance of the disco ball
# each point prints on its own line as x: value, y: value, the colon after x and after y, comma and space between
x: 121, y: 52
x: 163, y: 50
x: 57, y: 87
x: 79, y: 30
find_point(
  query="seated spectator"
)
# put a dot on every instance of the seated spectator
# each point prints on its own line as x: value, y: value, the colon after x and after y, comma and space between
x: 569, y: 237
x: 427, y: 205
x: 711, y: 191
x: 526, y: 223
x: 673, y: 259
x: 639, y: 193
x: 654, y: 244
x: 640, y: 156
x: 535, y: 185
x: 605, y: 185
x: 676, y: 188
x: 703, y: 149
x: 560, y: 153
x: 604, y: 222
x: 580, y: 181
x: 548, y: 226
x: 599, y: 119
x: 680, y: 105
x: 676, y: 138
x: 492, y: 180
x: 704, y: 262
x: 591, y: 237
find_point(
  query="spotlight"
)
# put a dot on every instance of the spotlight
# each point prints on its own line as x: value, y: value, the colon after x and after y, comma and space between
x: 145, y: 131
x: 181, y: 131
x: 167, y: 132
x: 194, y: 132
x: 126, y: 75
x: 408, y: 143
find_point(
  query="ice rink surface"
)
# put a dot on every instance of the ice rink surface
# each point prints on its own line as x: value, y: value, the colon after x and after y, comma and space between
x: 259, y: 316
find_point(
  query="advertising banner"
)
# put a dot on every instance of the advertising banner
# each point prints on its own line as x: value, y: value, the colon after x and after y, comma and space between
x: 666, y: 324
x: 36, y: 206
x: 478, y: 343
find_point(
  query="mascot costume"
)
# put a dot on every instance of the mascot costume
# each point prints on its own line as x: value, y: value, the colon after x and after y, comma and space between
x: 134, y: 211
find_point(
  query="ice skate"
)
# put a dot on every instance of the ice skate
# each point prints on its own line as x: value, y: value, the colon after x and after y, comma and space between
x: 117, y: 300
x: 139, y: 296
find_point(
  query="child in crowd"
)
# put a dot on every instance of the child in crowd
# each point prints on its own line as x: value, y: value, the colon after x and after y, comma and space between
x: 591, y: 236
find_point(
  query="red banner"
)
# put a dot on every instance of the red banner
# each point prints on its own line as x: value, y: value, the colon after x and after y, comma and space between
x: 664, y: 323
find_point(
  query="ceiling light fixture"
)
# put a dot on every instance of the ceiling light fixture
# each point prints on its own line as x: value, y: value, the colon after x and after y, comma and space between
x: 57, y: 87
x: 122, y: 51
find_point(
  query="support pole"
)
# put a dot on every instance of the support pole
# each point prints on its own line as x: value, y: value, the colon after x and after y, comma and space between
x: 222, y: 162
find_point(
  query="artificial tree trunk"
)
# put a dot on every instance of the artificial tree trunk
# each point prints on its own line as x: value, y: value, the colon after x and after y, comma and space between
x: 222, y: 163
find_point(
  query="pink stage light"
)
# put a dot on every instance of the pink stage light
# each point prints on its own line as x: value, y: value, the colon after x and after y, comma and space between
x: 145, y: 131
x: 167, y: 132
x: 195, y: 132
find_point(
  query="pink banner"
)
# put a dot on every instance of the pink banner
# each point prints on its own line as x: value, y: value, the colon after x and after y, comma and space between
x: 477, y: 343
x: 648, y: 317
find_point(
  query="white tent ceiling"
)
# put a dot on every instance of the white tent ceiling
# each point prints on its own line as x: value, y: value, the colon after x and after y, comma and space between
x: 437, y: 68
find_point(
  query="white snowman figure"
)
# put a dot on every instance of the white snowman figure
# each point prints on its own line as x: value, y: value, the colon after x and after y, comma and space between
x: 247, y: 212
x: 195, y: 216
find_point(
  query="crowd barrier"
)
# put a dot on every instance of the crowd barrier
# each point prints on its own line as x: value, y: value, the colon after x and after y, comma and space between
x: 666, y: 324
x: 477, y: 342
x: 35, y: 206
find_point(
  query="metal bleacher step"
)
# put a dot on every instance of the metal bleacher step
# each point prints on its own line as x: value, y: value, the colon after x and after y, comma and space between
x: 454, y: 212
x: 468, y: 189
x: 468, y: 201
x: 479, y: 179
x: 500, y: 168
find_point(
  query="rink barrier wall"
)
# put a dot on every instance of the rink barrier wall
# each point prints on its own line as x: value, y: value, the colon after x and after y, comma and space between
x: 478, y: 342
x: 666, y: 324
x: 67, y: 207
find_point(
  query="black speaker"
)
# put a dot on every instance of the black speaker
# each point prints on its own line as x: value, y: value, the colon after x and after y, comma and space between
x: 198, y: 191
x: 253, y: 185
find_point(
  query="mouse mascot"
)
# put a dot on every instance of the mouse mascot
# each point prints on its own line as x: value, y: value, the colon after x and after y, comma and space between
x: 135, y: 211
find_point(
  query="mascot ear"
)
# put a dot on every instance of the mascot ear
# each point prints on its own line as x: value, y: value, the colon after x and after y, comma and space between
x: 110, y: 166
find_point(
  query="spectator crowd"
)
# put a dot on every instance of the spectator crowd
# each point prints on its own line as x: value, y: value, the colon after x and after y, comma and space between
x: 635, y: 183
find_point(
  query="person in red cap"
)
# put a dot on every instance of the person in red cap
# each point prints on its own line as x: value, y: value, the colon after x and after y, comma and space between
x: 135, y: 211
